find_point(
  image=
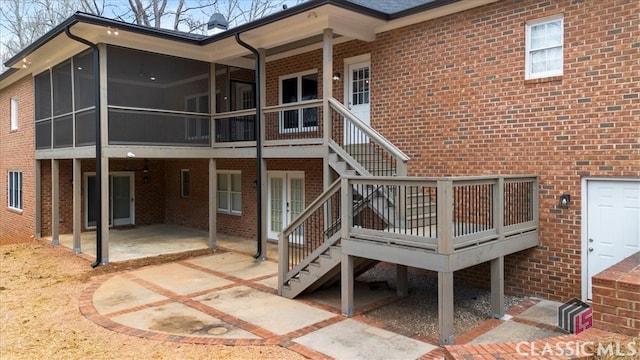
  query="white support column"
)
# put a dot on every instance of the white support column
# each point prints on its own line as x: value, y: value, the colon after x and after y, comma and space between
x: 445, y: 308
x: 346, y: 285
x: 104, y: 134
x: 38, y: 185
x: 77, y: 205
x: 213, y: 201
x: 263, y: 173
x: 55, y: 201
x: 445, y: 216
x: 104, y: 195
x: 327, y: 82
x: 497, y: 287
x: 402, y: 280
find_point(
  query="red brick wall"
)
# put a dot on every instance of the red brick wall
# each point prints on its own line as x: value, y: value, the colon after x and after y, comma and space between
x: 192, y: 211
x: 451, y: 94
x: 616, y: 297
x: 16, y: 153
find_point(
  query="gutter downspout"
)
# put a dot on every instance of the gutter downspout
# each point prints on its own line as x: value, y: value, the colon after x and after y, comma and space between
x: 96, y: 75
x: 258, y: 145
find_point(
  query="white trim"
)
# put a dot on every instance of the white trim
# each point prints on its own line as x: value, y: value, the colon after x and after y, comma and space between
x: 132, y: 204
x: 286, y: 177
x: 345, y: 72
x: 527, y: 62
x: 584, y: 241
x: 18, y: 202
x: 14, y: 114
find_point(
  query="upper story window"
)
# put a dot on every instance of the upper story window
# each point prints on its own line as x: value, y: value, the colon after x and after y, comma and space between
x: 297, y: 88
x: 14, y: 181
x: 544, y: 46
x: 14, y: 114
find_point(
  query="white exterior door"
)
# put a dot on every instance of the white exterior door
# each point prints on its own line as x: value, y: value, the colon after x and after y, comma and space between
x: 613, y: 224
x: 286, y: 200
x: 358, y: 99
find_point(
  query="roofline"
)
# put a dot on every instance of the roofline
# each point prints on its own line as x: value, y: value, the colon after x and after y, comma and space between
x: 7, y: 73
x: 162, y: 33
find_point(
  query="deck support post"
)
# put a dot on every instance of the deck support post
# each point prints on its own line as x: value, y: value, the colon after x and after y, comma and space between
x: 445, y: 307
x: 55, y: 201
x: 213, y: 201
x: 104, y: 194
x: 77, y: 205
x: 497, y: 287
x: 346, y: 284
x: 402, y: 280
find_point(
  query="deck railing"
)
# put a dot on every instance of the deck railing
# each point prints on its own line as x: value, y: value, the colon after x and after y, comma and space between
x: 290, y: 124
x: 377, y: 155
x: 235, y: 127
x: 439, y: 215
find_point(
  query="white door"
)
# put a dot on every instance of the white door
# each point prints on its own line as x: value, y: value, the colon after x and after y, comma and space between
x: 357, y: 99
x: 613, y: 224
x: 286, y: 201
x: 121, y: 199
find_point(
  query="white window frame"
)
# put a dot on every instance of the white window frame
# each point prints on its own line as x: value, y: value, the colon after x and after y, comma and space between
x: 14, y: 114
x: 14, y: 189
x: 301, y: 127
x: 185, y: 192
x: 228, y: 193
x: 528, y: 50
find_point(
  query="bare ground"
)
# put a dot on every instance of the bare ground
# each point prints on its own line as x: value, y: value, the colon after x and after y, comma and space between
x: 39, y: 317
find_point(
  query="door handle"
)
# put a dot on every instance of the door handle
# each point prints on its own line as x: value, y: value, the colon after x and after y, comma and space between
x: 590, y: 249
x: 590, y: 240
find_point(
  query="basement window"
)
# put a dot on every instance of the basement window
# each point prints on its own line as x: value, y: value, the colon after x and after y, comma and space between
x: 14, y: 181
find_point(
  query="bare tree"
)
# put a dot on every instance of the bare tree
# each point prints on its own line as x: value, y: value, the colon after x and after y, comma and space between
x: 239, y: 12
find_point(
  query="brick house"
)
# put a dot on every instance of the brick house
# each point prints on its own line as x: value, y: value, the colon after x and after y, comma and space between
x: 495, y: 139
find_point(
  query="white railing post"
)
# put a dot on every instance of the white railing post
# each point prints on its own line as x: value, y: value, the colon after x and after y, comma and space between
x: 445, y: 216
x: 283, y: 261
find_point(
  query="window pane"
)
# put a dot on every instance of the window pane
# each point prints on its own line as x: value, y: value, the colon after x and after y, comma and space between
x: 310, y: 117
x: 236, y: 183
x: 83, y: 80
x: 289, y: 90
x: 61, y: 76
x: 63, y: 131
x: 538, y: 61
x: 236, y: 202
x: 42, y: 85
x: 223, y: 182
x: 310, y: 87
x: 290, y: 119
x: 223, y: 201
x: 554, y: 33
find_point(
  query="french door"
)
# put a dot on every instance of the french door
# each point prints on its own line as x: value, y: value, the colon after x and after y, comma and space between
x: 358, y: 99
x: 121, y: 199
x: 286, y: 200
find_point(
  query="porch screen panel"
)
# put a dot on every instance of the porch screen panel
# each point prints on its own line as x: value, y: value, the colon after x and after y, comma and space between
x: 63, y: 131
x: 61, y: 83
x: 86, y: 128
x: 83, y: 80
x: 42, y: 84
x: 157, y: 128
x: 43, y: 134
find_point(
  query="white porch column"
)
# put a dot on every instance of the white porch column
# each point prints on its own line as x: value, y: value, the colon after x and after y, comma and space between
x: 55, y: 201
x: 346, y: 285
x: 497, y: 287
x: 263, y: 173
x: 104, y: 220
x: 38, y: 186
x: 77, y: 205
x: 213, y: 201
x: 104, y: 168
x: 445, y: 307
x: 327, y: 92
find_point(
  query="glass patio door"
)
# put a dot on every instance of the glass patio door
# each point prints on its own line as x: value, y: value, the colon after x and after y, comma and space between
x: 121, y: 200
x: 286, y: 200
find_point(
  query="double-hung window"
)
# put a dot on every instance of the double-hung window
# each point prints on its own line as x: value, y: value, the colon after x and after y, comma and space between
x: 14, y: 182
x: 544, y: 47
x: 229, y: 192
x: 294, y: 89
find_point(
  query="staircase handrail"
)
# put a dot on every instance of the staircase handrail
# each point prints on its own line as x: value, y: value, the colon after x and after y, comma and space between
x: 371, y: 132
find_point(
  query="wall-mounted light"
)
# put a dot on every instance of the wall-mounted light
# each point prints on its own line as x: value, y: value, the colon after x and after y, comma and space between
x: 336, y: 77
x: 145, y: 180
x: 565, y: 200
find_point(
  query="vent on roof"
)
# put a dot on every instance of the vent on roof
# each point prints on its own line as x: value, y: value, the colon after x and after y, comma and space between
x: 217, y: 24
